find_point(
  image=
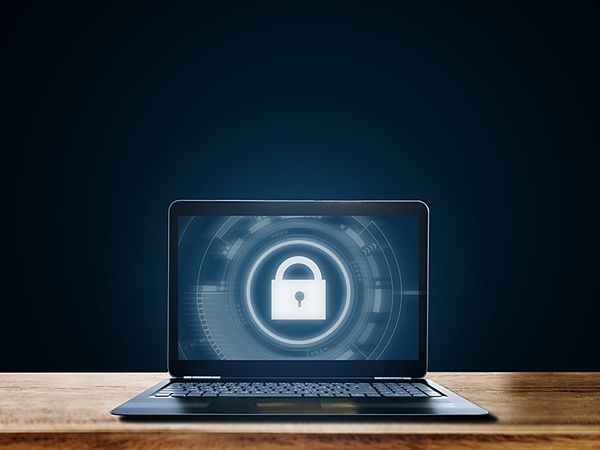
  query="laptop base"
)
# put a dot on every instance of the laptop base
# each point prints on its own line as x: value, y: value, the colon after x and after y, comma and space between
x: 145, y: 404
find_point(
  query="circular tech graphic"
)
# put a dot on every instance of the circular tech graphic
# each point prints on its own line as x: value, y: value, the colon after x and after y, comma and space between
x: 290, y: 287
x: 290, y: 327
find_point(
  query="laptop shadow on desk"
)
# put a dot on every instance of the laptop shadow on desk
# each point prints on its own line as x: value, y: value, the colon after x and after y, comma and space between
x: 310, y: 419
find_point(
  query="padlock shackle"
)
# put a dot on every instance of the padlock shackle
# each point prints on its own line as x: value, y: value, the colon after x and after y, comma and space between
x: 285, y: 265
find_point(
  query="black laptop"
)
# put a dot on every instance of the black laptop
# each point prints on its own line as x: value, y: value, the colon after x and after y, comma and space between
x: 314, y: 308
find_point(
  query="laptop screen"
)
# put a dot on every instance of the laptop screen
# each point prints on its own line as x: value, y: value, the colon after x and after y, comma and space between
x: 298, y: 288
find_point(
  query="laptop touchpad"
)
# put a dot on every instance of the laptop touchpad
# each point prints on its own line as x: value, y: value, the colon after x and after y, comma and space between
x: 289, y: 406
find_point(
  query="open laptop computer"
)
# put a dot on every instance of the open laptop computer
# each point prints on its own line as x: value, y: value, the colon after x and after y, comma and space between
x: 298, y: 308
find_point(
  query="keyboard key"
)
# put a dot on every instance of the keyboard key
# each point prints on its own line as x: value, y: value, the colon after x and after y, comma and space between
x: 427, y: 390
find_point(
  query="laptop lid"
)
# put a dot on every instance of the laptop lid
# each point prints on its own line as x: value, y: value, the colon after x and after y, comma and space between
x: 261, y: 288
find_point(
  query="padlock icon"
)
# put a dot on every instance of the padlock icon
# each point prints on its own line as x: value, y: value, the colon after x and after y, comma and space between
x: 298, y: 299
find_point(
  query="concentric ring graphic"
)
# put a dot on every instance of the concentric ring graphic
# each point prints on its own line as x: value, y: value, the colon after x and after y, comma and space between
x: 262, y: 326
x: 227, y: 263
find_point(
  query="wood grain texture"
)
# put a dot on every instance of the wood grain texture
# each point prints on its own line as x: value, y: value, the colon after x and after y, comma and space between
x: 547, y: 410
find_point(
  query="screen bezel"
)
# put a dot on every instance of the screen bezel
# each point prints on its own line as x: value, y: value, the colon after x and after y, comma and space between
x: 297, y: 369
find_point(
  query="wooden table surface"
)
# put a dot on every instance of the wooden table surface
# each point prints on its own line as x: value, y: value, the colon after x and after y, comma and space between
x: 71, y: 410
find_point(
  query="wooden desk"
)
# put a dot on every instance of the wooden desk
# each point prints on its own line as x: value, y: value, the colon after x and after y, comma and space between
x: 549, y: 410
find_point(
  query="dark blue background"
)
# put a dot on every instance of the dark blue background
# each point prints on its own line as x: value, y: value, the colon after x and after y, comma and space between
x: 489, y: 112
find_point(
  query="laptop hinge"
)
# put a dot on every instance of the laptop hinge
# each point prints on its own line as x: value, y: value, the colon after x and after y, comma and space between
x: 392, y: 378
x: 202, y: 377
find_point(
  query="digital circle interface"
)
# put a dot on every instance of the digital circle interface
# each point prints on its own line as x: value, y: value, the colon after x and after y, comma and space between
x: 338, y: 293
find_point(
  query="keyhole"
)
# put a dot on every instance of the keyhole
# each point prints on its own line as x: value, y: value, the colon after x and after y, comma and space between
x: 299, y: 297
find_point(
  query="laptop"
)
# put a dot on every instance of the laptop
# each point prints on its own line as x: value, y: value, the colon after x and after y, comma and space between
x: 298, y: 308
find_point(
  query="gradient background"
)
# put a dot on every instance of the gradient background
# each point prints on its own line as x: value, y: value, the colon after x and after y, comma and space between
x: 488, y: 112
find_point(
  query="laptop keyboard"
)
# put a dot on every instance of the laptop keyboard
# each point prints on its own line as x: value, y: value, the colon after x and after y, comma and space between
x: 230, y: 389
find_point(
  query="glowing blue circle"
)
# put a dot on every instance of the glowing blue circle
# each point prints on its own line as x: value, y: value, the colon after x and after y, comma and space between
x: 275, y: 336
